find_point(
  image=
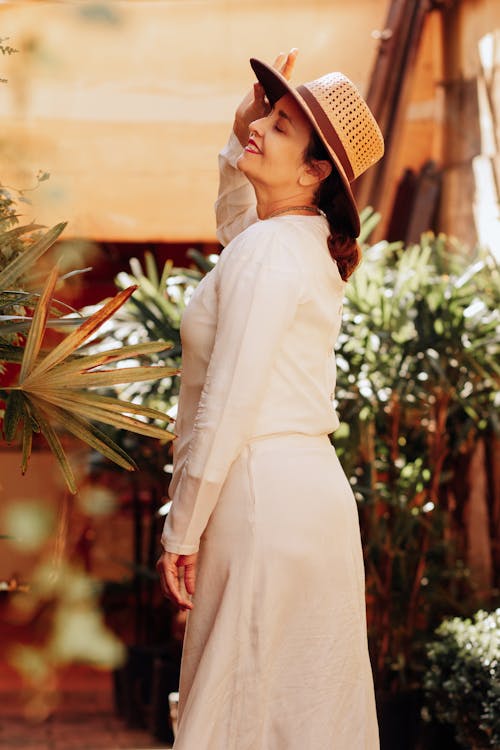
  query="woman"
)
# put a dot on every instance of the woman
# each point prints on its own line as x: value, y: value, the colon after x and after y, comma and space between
x: 275, y: 653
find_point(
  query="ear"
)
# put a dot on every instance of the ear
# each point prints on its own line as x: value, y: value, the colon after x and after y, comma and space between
x: 315, y: 172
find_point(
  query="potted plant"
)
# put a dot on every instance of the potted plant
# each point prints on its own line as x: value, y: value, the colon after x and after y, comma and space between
x: 462, y: 681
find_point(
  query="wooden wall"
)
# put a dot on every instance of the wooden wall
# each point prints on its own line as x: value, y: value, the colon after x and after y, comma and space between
x: 128, y: 107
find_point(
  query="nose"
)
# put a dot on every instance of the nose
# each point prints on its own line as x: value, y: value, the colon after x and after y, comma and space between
x: 256, y: 126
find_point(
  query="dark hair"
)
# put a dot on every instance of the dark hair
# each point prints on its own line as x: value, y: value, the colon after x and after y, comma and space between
x: 332, y: 200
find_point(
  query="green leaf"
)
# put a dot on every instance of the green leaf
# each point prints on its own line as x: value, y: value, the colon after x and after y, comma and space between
x: 85, y: 408
x: 149, y: 311
x: 109, y: 403
x: 369, y: 220
x: 76, y: 338
x: 14, y: 411
x: 13, y: 234
x: 26, y: 444
x: 151, y: 269
x: 18, y: 267
x: 167, y: 270
x: 22, y: 323
x: 104, y: 378
x: 92, y: 436
x: 37, y: 329
x: 12, y: 297
x: 201, y: 260
x: 11, y: 353
x: 81, y: 363
x: 54, y: 444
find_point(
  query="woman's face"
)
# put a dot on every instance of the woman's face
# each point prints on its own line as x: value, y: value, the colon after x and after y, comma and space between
x: 274, y: 155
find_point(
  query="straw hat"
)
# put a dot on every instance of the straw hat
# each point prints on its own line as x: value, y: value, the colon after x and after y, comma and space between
x: 340, y: 116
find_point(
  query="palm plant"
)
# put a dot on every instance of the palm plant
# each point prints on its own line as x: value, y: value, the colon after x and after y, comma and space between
x: 153, y: 313
x: 58, y: 388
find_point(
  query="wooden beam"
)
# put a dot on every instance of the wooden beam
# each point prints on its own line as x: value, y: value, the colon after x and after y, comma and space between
x: 389, y: 91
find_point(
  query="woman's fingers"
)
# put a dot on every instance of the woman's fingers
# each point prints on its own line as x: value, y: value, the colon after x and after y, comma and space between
x: 168, y: 569
x: 285, y: 62
x: 258, y: 93
x: 190, y: 577
x: 286, y: 67
x: 279, y: 60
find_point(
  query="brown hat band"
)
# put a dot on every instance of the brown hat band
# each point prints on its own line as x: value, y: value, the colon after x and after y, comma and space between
x: 327, y: 129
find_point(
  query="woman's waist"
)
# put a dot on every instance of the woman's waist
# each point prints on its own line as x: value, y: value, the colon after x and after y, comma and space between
x: 291, y: 436
x: 295, y: 418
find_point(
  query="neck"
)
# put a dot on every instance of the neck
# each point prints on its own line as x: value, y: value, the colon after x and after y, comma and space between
x: 300, y: 202
x: 297, y: 210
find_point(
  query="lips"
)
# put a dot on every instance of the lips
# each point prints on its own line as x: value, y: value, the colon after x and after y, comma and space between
x: 252, y: 147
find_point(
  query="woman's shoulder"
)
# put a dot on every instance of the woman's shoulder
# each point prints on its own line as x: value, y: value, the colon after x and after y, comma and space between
x: 266, y: 242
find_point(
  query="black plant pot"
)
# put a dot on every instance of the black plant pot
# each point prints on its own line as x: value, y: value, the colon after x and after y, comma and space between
x: 142, y: 685
x: 402, y: 728
x: 399, y: 719
x: 165, y: 681
x: 436, y: 736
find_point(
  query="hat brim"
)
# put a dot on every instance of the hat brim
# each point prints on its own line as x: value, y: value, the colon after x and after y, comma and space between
x: 275, y: 86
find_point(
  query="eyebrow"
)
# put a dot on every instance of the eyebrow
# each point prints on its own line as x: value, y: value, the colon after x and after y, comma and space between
x: 283, y: 114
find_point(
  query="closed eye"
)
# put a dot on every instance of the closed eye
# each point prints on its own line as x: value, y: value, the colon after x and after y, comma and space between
x: 281, y: 115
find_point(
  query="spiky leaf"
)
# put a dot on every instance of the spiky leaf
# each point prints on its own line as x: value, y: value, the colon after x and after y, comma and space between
x: 19, y: 265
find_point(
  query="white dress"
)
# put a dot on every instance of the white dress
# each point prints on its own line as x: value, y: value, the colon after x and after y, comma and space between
x: 275, y: 654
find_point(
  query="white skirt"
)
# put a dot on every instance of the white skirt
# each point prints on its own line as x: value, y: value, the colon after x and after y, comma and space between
x: 275, y: 653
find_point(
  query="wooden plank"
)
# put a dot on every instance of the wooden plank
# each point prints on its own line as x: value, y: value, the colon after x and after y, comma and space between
x: 487, y: 166
x: 389, y: 93
x: 425, y: 201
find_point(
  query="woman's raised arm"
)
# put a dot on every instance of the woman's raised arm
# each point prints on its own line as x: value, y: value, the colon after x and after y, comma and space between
x: 235, y: 205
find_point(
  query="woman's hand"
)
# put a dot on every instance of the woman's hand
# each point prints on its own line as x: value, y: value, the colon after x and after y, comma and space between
x: 255, y: 105
x: 168, y: 567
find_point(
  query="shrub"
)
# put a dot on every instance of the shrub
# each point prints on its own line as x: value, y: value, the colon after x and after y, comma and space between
x: 462, y: 682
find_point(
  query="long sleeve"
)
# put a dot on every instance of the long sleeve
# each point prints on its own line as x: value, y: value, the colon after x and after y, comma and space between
x: 258, y: 295
x: 180, y: 445
x: 235, y: 207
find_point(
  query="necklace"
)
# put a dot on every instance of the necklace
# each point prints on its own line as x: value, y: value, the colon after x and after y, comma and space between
x: 288, y: 209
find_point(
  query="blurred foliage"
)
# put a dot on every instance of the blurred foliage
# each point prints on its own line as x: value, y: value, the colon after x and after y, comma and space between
x: 417, y: 383
x: 20, y: 247
x: 53, y: 619
x: 29, y: 524
x: 6, y: 49
x: 56, y: 388
x: 153, y: 314
x: 64, y: 602
x: 462, y: 682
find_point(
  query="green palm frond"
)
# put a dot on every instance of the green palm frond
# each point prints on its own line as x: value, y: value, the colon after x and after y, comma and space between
x: 55, y: 388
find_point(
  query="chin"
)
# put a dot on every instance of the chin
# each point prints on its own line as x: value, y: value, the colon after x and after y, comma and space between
x: 248, y: 167
x: 240, y: 163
